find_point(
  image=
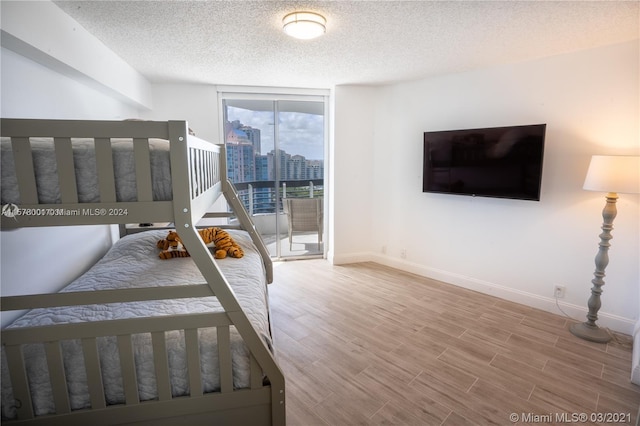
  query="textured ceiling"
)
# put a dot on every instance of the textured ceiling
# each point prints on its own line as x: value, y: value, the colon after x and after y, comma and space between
x: 367, y: 42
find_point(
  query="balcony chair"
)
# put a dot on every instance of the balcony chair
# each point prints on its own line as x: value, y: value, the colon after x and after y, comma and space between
x: 304, y: 215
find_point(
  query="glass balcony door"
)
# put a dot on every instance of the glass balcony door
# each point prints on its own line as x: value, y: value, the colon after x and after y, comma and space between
x: 275, y: 150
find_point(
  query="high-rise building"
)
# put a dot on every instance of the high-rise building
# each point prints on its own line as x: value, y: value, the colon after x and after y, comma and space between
x: 253, y: 135
x: 282, y: 159
x: 296, y: 167
x: 240, y: 156
x: 262, y: 167
x: 315, y: 169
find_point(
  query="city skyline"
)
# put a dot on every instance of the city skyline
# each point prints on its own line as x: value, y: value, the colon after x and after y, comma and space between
x: 300, y: 133
x: 247, y: 161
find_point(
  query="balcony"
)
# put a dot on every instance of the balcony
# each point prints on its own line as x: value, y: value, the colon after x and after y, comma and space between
x: 264, y: 206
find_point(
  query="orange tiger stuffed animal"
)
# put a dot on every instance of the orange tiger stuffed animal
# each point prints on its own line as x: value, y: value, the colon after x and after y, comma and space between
x: 214, y: 237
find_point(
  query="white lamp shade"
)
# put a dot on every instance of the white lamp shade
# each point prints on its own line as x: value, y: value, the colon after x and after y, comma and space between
x: 611, y: 173
x: 304, y: 25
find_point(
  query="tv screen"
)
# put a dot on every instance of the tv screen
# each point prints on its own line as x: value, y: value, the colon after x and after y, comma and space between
x: 503, y: 162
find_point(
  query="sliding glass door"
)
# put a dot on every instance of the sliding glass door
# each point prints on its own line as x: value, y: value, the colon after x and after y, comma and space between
x: 275, y: 156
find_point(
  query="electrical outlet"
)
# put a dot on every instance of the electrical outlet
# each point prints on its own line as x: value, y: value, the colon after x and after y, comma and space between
x: 384, y: 249
x: 558, y: 291
x: 403, y: 253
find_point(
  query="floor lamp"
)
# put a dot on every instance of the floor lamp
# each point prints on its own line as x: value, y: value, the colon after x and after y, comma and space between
x: 611, y: 174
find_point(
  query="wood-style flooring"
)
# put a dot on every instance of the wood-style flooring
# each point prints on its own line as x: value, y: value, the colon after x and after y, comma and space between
x: 364, y: 344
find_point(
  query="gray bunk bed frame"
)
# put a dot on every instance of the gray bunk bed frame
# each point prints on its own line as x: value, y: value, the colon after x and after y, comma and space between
x: 198, y: 173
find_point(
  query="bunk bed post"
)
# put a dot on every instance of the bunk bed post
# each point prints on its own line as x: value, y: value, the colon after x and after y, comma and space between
x: 185, y: 226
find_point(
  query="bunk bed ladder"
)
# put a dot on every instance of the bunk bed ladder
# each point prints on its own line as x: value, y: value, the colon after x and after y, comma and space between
x: 231, y: 195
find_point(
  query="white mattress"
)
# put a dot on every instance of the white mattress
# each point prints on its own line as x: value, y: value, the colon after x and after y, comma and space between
x: 46, y: 170
x: 133, y: 262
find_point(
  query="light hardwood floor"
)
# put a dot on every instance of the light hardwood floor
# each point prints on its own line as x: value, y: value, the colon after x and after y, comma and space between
x: 364, y: 344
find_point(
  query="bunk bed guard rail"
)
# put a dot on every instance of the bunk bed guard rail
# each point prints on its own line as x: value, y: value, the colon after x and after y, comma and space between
x: 192, y: 176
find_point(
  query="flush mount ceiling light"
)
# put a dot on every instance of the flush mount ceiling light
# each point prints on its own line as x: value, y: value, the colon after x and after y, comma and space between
x: 304, y: 25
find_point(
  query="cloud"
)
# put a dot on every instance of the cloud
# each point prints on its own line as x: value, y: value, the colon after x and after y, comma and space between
x: 300, y: 133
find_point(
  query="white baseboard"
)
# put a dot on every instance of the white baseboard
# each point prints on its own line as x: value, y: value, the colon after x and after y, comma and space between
x: 613, y: 322
x: 635, y: 357
x: 352, y: 258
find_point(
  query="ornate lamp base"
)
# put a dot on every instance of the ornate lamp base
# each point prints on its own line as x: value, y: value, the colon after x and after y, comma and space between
x: 589, y: 332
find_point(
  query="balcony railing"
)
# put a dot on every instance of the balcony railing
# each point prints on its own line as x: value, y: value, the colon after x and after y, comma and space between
x: 260, y: 197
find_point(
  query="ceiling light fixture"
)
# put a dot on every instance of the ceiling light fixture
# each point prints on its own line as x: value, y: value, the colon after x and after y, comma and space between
x: 304, y: 25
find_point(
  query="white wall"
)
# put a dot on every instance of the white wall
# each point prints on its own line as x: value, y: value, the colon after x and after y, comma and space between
x: 195, y: 103
x: 513, y: 249
x: 30, y: 90
x: 350, y: 189
x: 39, y: 260
x: 45, y: 34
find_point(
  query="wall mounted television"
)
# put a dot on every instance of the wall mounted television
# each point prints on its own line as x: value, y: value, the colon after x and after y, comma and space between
x: 502, y: 162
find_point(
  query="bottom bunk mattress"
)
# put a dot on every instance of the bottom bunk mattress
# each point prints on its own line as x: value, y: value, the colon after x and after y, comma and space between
x: 133, y: 262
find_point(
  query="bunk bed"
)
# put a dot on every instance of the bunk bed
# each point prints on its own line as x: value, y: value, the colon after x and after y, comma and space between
x: 180, y: 341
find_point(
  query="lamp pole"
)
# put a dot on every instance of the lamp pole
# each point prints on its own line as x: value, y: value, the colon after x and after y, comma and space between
x: 588, y: 330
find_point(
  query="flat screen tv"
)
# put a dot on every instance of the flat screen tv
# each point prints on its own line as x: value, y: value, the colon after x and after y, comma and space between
x: 502, y: 162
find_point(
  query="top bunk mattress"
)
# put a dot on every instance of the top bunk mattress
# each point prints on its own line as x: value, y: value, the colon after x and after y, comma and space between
x: 133, y: 262
x: 84, y: 162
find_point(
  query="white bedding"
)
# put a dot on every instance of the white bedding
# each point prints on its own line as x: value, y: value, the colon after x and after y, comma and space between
x: 133, y: 262
x: 46, y: 170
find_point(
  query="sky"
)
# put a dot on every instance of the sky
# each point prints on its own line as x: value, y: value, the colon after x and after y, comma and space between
x: 300, y: 133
